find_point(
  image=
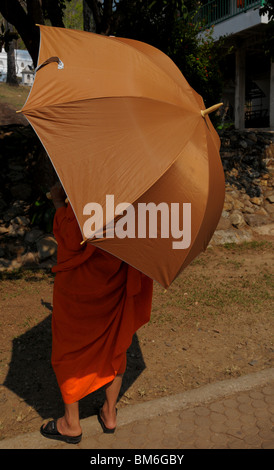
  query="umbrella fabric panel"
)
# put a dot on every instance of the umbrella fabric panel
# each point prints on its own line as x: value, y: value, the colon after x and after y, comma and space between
x: 214, y: 201
x: 191, y: 179
x: 160, y: 59
x: 118, y: 146
x: 96, y: 66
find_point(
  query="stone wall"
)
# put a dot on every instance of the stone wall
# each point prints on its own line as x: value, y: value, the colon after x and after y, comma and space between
x: 24, y: 181
x: 248, y: 160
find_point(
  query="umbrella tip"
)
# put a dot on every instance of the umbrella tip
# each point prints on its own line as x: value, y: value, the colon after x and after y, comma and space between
x: 204, y: 112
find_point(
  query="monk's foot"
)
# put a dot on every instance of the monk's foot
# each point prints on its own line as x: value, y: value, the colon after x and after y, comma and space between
x: 109, y: 417
x: 68, y: 429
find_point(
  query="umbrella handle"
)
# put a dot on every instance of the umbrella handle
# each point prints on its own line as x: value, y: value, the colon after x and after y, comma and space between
x: 204, y: 112
x: 49, y: 61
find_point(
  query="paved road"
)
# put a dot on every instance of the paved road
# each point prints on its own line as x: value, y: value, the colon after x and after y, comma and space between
x: 232, y: 414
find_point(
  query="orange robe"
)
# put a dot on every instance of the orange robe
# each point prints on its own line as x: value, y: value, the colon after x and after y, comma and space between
x: 99, y: 302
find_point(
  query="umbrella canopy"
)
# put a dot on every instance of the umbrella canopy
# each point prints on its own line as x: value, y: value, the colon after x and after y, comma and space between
x: 124, y: 129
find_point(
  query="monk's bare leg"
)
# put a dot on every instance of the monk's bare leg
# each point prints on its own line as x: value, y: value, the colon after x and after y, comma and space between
x: 108, y: 412
x: 69, y: 424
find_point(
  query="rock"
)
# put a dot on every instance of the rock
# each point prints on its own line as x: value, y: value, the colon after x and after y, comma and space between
x: 16, y: 176
x: 4, y: 263
x: 261, y: 211
x: 252, y: 137
x: 243, y: 144
x: 225, y: 214
x: 229, y: 197
x: 238, y: 205
x: 46, y: 247
x: 270, y: 209
x: 256, y: 200
x: 227, y: 206
x: 33, y: 235
x: 254, y: 220
x: 248, y: 210
x: 265, y: 230
x: 21, y: 220
x: 29, y: 258
x: 222, y: 237
x: 48, y: 263
x: 270, y: 198
x: 237, y: 219
x: 252, y: 363
x: 16, y: 230
x: 224, y: 223
x: 13, y: 211
x: 4, y: 230
x: 22, y: 190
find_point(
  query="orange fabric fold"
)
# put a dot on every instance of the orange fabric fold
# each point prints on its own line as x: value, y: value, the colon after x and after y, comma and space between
x: 99, y: 302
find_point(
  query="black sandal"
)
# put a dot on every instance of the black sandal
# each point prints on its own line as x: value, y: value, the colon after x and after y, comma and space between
x: 50, y: 431
x: 105, y: 429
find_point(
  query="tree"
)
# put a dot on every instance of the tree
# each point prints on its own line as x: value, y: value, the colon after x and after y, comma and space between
x: 11, y: 66
x: 7, y: 37
x: 25, y: 14
x: 169, y: 25
x: 73, y: 14
x: 268, y: 8
x: 104, y: 14
x: 89, y: 24
x: 166, y: 24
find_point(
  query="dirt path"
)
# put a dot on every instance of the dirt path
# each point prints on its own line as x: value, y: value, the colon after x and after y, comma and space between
x: 215, y: 322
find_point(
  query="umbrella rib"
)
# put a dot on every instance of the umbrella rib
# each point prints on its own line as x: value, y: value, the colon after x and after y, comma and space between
x: 23, y: 111
x: 152, y: 61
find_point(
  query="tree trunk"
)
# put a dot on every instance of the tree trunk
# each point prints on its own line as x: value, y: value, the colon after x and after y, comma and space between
x: 11, y: 66
x: 89, y: 23
x: 15, y: 14
x: 35, y: 11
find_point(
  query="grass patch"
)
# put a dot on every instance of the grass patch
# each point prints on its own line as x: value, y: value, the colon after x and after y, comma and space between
x: 15, y: 96
x: 253, y: 245
x: 200, y: 293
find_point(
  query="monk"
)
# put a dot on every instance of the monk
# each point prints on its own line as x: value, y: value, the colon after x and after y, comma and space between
x: 99, y: 302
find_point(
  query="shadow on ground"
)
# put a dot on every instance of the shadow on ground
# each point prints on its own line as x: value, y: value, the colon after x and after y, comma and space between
x: 31, y: 376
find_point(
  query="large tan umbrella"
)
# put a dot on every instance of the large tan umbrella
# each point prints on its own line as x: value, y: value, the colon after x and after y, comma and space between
x: 125, y: 130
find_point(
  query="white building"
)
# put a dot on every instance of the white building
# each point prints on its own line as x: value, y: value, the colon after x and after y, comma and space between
x: 22, y: 61
x: 28, y: 75
x: 249, y: 90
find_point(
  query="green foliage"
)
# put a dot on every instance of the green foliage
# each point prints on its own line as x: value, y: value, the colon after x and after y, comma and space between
x: 171, y: 27
x: 198, y: 57
x: 54, y: 10
x: 73, y: 14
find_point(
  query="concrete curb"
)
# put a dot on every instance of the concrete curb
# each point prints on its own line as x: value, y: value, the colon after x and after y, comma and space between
x: 194, y: 397
x: 152, y: 409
